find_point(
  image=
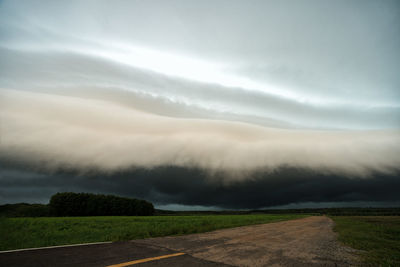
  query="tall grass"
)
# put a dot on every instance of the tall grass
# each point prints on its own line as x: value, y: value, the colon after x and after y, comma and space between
x: 49, y: 231
x: 378, y: 238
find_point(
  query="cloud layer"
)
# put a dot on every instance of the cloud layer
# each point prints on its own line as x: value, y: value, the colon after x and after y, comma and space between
x: 237, y: 96
x: 81, y: 133
x: 192, y: 187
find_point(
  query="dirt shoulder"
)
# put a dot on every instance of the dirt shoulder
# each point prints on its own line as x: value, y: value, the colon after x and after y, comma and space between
x: 303, y: 242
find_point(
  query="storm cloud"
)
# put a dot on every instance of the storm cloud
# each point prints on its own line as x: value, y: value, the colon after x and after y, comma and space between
x: 250, y: 104
x: 84, y: 134
x: 193, y: 187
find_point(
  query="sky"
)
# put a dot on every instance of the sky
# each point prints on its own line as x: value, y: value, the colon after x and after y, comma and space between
x: 201, y: 104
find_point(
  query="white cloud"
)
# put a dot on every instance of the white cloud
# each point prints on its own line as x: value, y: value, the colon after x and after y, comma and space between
x: 53, y: 132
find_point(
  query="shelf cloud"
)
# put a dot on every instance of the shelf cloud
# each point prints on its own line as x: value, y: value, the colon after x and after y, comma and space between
x: 232, y: 93
x: 84, y: 133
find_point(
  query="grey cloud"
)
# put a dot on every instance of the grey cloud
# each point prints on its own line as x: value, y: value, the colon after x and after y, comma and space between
x: 74, y: 74
x: 341, y: 47
x: 259, y: 103
x: 169, y: 185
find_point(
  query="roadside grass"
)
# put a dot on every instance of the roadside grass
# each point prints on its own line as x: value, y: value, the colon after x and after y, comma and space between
x: 378, y: 238
x: 30, y: 232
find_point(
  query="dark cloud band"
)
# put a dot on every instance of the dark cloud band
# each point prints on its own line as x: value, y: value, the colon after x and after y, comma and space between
x: 173, y: 185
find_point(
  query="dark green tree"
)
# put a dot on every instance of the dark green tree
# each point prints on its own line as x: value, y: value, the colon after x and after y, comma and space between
x: 84, y: 204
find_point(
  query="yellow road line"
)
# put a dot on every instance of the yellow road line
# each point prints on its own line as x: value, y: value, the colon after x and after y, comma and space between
x: 146, y: 260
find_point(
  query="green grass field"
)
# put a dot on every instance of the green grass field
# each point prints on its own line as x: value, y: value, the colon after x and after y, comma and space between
x: 378, y: 237
x: 49, y: 231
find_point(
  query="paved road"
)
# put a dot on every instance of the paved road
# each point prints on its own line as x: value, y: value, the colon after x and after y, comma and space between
x: 302, y: 242
x: 99, y: 255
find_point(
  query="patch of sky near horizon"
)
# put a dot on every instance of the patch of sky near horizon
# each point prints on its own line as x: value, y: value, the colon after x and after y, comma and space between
x: 344, y: 204
x: 339, y: 58
x: 300, y: 205
x: 180, y: 207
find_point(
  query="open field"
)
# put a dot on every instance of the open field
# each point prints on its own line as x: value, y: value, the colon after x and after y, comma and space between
x: 302, y: 242
x: 18, y: 233
x: 375, y: 238
x: 378, y: 237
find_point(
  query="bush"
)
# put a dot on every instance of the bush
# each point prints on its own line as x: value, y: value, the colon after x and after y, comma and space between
x: 84, y: 204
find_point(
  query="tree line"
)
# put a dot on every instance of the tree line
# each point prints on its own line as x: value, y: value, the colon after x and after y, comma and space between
x: 80, y: 204
x: 85, y: 204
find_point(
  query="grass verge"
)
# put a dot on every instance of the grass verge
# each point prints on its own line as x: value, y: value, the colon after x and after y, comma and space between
x: 378, y: 237
x: 18, y: 233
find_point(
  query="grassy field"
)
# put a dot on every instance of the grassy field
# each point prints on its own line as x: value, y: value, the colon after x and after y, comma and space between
x: 49, y: 231
x: 378, y: 237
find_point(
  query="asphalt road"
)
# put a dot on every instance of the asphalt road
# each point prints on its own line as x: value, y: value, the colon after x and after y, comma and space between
x: 100, y: 255
x: 302, y: 242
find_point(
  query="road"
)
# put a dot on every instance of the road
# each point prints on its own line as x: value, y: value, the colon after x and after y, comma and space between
x: 302, y: 242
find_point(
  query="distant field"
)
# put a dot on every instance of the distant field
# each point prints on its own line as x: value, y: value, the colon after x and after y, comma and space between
x: 49, y: 231
x: 378, y: 237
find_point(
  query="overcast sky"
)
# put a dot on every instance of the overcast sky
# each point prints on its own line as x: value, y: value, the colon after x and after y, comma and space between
x: 231, y: 98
